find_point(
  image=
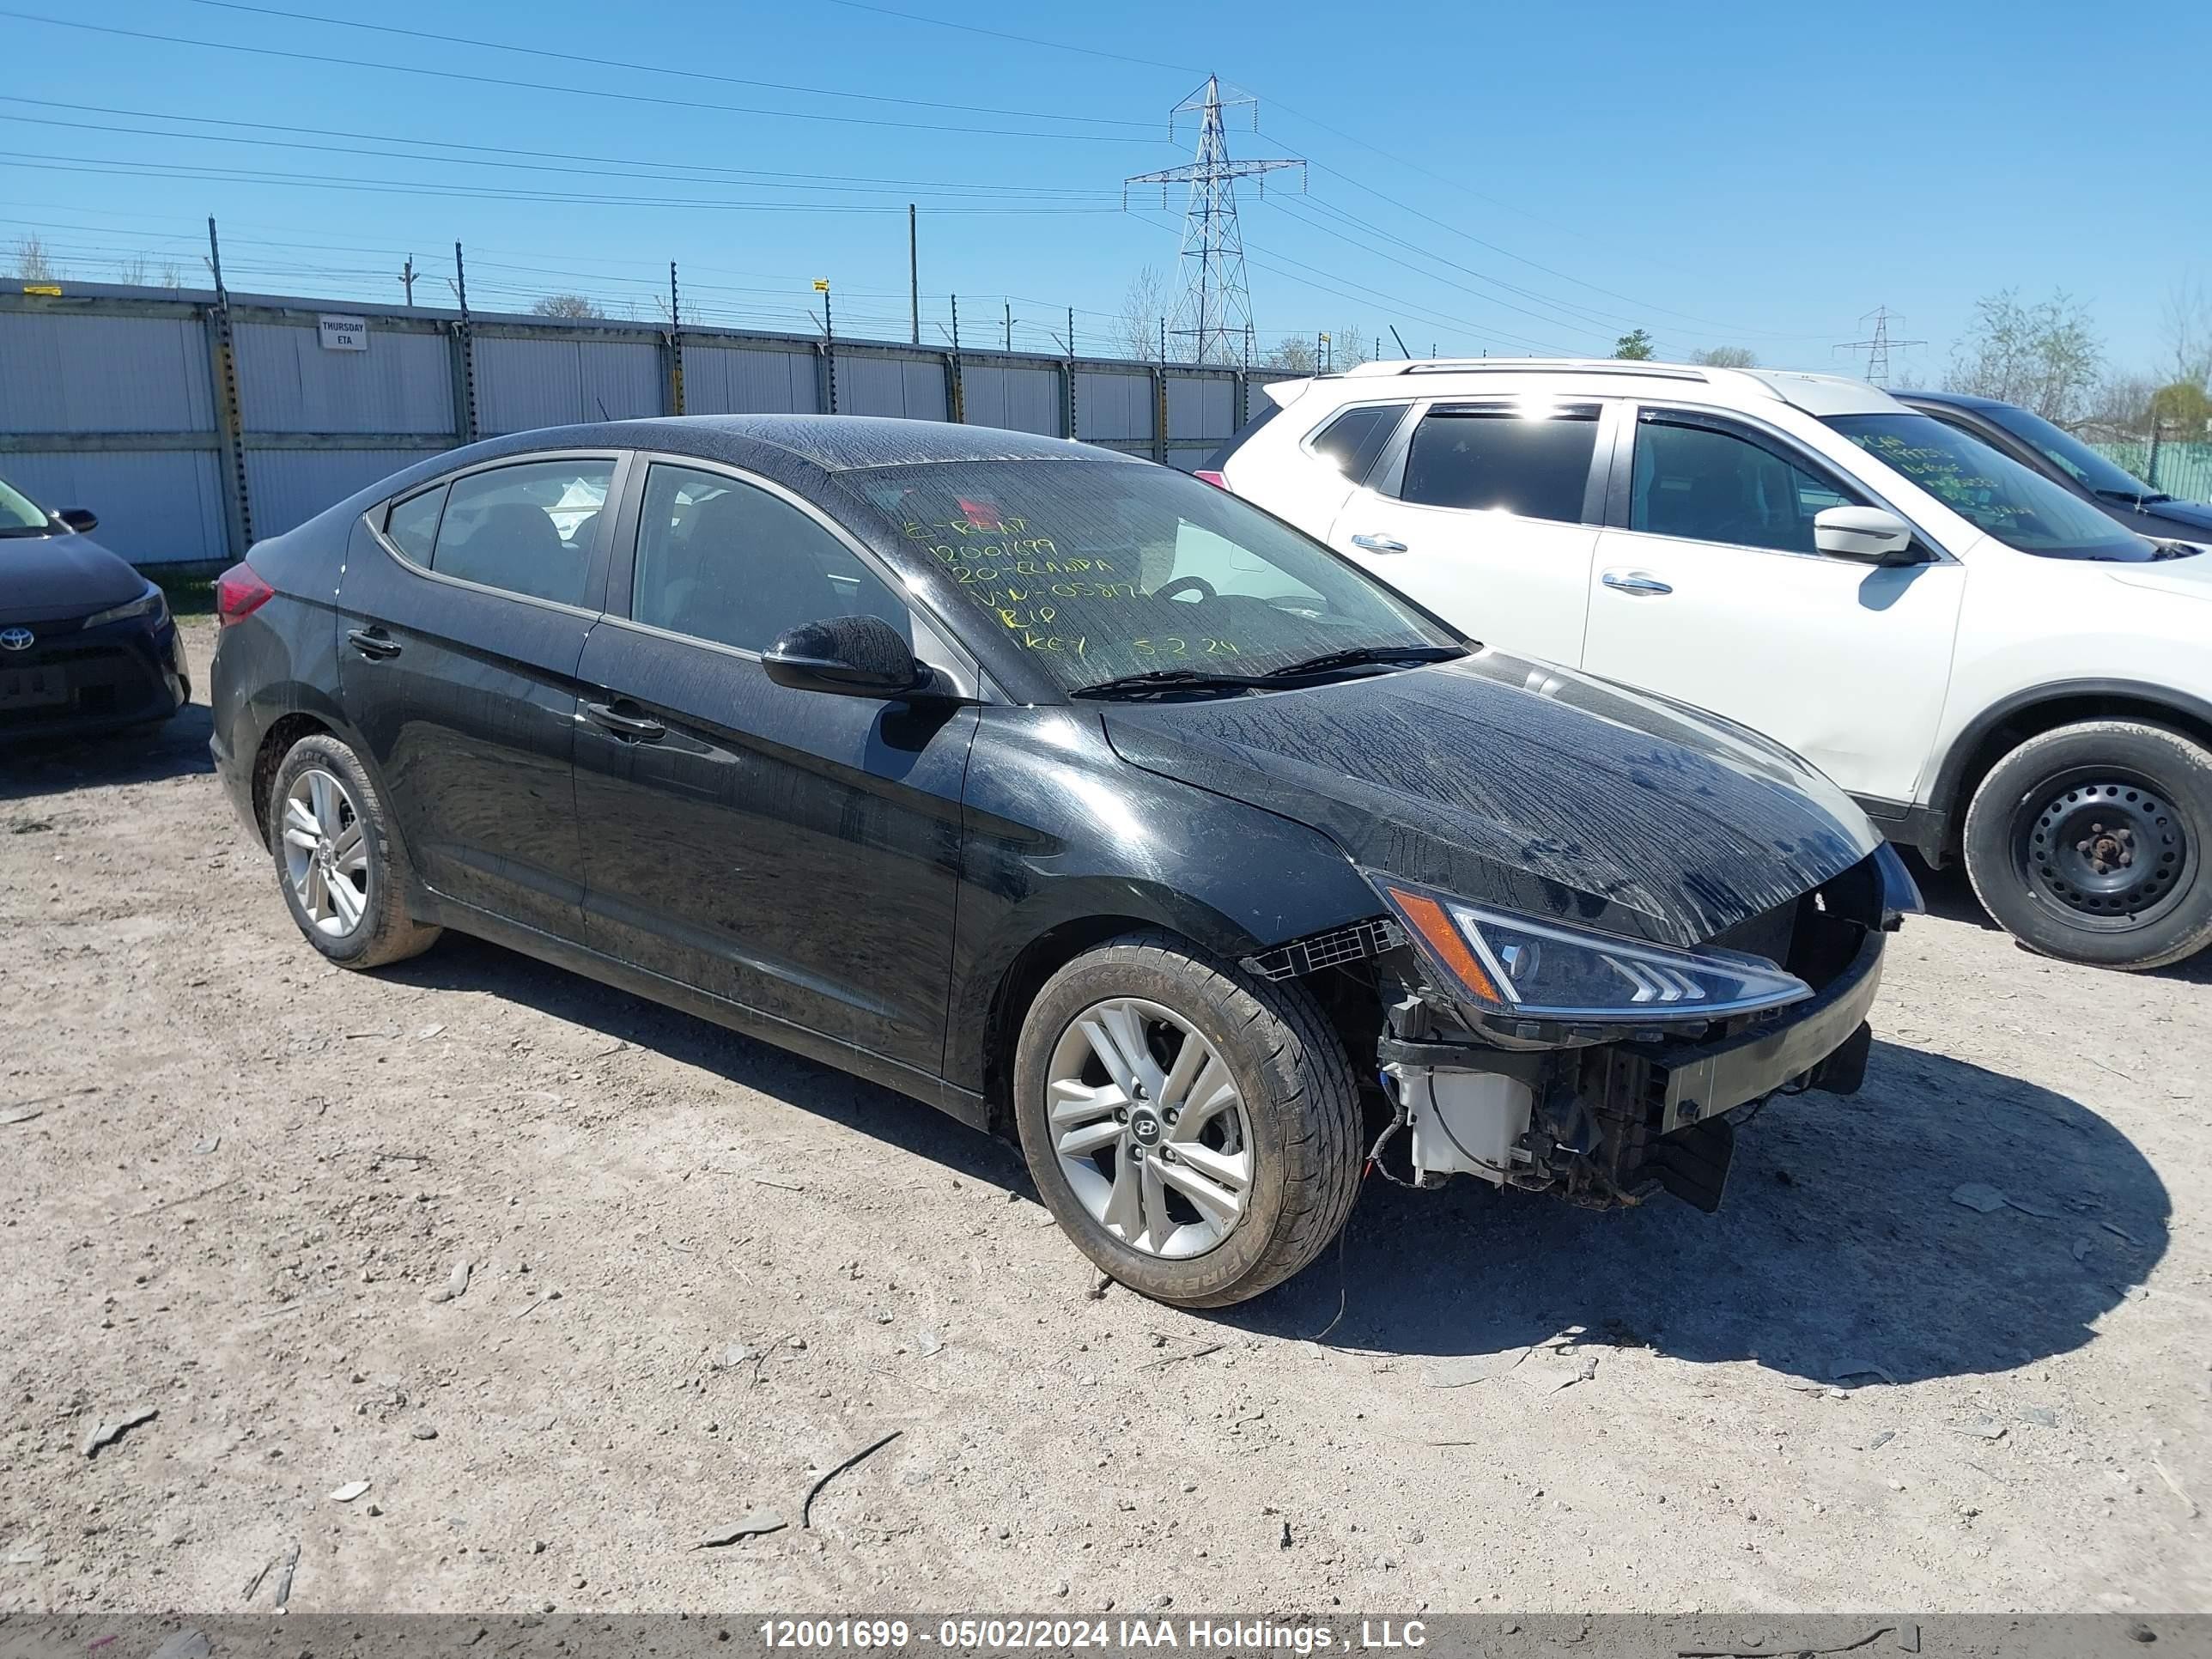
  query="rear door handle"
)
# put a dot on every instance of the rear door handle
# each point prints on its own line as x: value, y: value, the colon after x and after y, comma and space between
x: 1634, y: 582
x: 1379, y: 543
x: 374, y: 643
x: 630, y: 728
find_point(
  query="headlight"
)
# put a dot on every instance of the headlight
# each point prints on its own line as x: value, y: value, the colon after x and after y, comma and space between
x: 152, y: 603
x: 1513, y: 965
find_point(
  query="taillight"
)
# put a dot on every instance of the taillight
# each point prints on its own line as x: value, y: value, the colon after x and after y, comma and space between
x: 239, y: 594
x: 1213, y: 478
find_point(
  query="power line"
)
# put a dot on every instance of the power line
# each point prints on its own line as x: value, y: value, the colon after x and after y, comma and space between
x: 39, y: 161
x: 1022, y: 39
x: 1877, y: 347
x: 323, y: 62
x: 664, y: 68
x: 741, y: 175
x: 957, y: 192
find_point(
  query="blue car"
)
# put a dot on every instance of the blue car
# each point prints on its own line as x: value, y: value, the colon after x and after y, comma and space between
x: 87, y: 644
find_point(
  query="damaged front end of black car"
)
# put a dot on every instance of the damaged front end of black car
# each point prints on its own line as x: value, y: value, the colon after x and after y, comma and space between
x: 1602, y: 1070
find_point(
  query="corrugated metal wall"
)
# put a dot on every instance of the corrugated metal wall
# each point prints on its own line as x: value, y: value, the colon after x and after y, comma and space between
x: 113, y: 399
x: 1020, y: 399
x: 156, y: 507
x: 526, y: 382
x: 735, y: 380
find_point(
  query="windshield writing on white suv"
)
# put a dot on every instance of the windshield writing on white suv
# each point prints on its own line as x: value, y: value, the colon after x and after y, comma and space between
x: 1098, y: 571
x: 2020, y: 508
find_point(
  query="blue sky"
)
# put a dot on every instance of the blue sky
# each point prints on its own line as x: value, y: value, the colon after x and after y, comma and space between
x: 1490, y: 177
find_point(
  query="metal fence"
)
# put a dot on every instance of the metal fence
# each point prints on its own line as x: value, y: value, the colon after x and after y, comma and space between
x: 2183, y: 470
x: 195, y: 422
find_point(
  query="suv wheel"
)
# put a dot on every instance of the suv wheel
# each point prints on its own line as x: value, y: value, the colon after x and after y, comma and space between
x: 2090, y: 842
x: 344, y: 877
x: 1194, y: 1130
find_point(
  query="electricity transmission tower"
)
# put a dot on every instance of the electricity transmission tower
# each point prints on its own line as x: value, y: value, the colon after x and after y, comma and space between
x: 1215, y: 311
x: 1878, y: 344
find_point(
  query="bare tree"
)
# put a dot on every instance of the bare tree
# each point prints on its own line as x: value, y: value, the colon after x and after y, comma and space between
x: 31, y: 264
x: 132, y: 272
x: 2121, y: 403
x: 1293, y: 352
x: 2041, y: 357
x: 1726, y: 357
x: 1137, y: 330
x: 2187, y: 318
x: 574, y: 306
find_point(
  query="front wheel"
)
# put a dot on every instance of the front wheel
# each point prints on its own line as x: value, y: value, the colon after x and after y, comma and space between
x: 2089, y: 843
x: 1194, y: 1129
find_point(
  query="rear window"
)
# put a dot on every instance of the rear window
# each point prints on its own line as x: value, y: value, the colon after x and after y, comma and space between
x: 1535, y: 462
x: 528, y: 529
x: 1355, y: 438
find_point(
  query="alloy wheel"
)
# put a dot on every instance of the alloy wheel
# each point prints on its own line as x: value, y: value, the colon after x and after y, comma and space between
x: 1149, y: 1128
x: 326, y: 852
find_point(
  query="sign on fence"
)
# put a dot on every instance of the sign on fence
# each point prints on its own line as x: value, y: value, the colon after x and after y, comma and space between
x: 343, y: 333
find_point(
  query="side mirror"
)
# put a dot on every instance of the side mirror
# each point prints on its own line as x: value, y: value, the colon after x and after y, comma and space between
x: 1866, y: 533
x: 849, y: 656
x: 82, y: 520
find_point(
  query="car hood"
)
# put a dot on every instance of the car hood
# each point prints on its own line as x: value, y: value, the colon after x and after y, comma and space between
x: 1519, y: 784
x: 2189, y: 521
x: 56, y: 578
x: 2189, y: 577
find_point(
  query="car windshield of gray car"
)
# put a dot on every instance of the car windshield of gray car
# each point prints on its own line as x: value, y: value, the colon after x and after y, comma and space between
x: 2020, y: 508
x: 1102, y: 572
x: 18, y: 516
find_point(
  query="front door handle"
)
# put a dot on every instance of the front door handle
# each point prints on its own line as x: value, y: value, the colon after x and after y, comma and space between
x: 630, y: 728
x: 1379, y: 543
x: 374, y: 643
x: 1634, y: 582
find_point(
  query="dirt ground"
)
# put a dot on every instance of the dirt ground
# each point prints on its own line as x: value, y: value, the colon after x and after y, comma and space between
x: 703, y: 1273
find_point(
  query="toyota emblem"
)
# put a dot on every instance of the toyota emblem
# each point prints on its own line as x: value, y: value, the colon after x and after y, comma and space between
x: 16, y: 639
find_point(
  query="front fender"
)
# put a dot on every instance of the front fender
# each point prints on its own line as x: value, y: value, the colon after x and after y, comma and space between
x: 1060, y: 832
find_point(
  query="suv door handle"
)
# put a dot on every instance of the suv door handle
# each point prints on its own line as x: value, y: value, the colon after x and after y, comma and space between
x: 630, y: 728
x: 1379, y: 543
x: 1634, y: 582
x: 374, y: 643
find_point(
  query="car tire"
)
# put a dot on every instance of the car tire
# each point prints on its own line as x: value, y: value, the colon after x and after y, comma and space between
x: 2090, y: 843
x: 1289, y: 1126
x: 322, y: 783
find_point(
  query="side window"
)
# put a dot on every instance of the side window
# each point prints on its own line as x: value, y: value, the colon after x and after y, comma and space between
x: 721, y: 561
x: 1354, y: 439
x: 412, y: 525
x: 1708, y: 485
x: 1533, y: 462
x: 527, y: 528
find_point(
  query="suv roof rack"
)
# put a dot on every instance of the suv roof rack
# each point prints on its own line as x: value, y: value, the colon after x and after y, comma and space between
x: 1526, y: 366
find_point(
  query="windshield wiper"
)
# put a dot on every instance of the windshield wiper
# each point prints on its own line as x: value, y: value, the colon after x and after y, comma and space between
x: 1172, y: 679
x: 2135, y: 497
x: 1359, y: 655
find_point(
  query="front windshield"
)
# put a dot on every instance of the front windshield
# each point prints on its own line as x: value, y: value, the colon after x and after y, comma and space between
x: 18, y: 516
x: 2082, y: 464
x: 1098, y: 571
x: 2020, y: 508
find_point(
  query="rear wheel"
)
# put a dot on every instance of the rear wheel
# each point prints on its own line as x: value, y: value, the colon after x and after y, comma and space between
x: 1194, y: 1130
x: 2090, y: 842
x: 344, y: 878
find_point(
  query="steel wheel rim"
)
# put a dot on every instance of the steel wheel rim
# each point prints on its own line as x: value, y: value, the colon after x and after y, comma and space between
x: 1149, y: 1129
x: 2107, y: 847
x: 326, y: 852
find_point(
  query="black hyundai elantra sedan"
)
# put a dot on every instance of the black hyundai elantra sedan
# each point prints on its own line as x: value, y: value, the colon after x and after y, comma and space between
x: 1067, y: 793
x: 87, y: 644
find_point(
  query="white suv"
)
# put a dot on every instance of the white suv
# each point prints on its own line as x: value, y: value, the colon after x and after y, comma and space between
x: 1989, y: 665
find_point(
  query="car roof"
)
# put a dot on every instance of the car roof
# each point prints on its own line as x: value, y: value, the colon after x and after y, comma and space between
x: 1952, y: 399
x: 1816, y: 394
x: 835, y: 443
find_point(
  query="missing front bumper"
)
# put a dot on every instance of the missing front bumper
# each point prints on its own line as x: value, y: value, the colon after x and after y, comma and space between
x: 1609, y: 1124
